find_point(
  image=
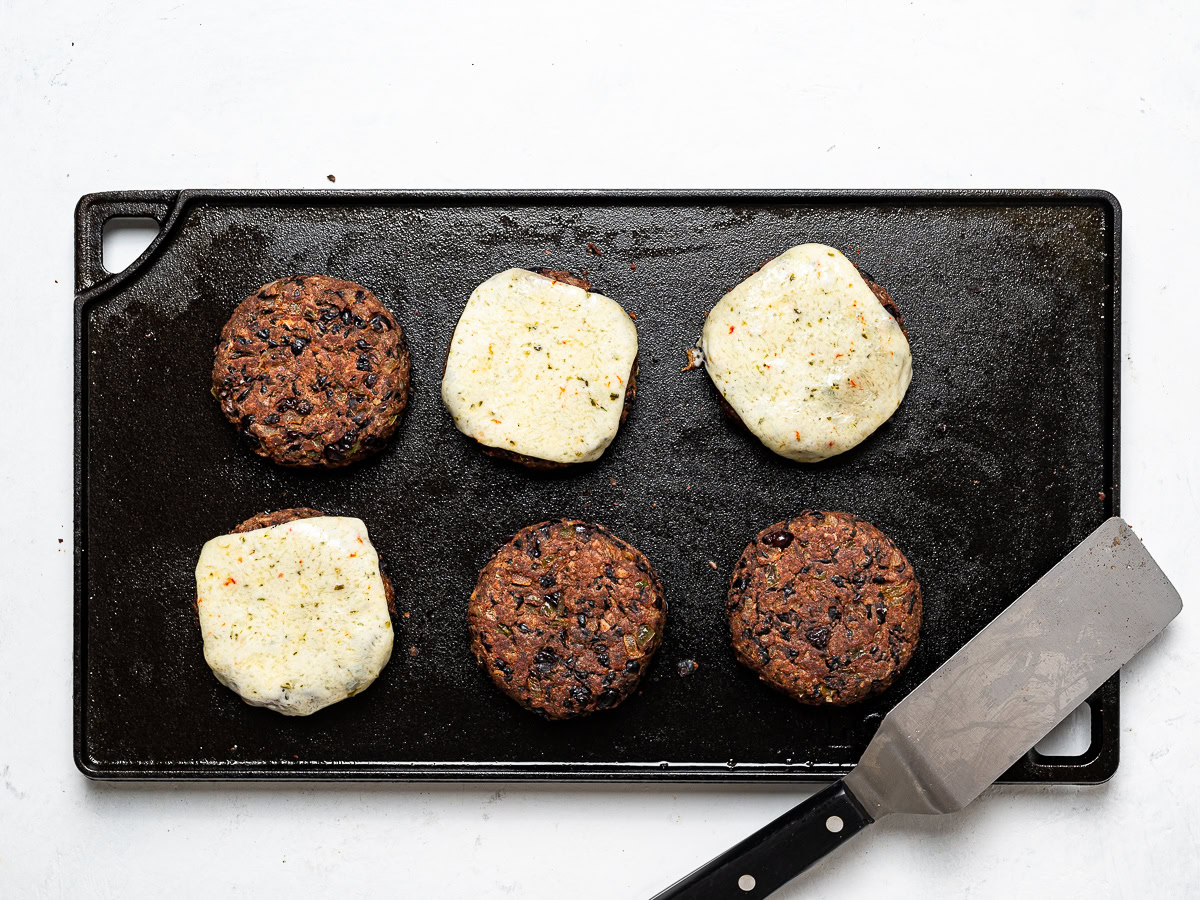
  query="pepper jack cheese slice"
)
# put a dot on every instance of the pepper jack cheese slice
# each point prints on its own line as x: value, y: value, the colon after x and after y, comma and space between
x: 294, y: 617
x: 806, y: 354
x: 539, y: 367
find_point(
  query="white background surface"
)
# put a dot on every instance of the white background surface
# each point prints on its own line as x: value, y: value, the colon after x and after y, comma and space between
x: 97, y: 96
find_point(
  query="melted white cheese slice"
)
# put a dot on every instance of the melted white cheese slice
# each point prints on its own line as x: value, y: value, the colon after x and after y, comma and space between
x: 539, y: 367
x: 294, y: 617
x: 806, y: 354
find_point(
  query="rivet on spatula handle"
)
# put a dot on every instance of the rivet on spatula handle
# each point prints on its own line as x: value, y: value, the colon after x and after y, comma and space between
x: 777, y: 853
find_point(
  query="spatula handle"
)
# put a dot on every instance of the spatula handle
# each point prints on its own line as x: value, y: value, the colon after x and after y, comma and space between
x: 777, y: 853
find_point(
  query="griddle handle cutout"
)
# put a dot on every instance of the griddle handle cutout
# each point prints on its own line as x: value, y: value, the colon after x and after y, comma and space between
x: 94, y: 210
x: 777, y: 853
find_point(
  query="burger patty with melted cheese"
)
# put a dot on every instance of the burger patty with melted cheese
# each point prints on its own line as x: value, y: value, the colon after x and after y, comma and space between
x: 539, y: 368
x: 294, y: 617
x: 806, y: 354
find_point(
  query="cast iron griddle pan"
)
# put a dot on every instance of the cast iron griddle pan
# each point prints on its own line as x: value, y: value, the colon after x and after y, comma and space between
x: 1002, y: 458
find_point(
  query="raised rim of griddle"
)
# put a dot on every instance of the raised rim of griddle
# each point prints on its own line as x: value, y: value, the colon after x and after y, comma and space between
x: 169, y: 208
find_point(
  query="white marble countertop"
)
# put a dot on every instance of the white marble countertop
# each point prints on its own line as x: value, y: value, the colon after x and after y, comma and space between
x: 97, y: 96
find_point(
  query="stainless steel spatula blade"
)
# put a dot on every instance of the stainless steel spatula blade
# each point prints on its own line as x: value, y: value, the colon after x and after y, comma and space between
x: 1013, y: 682
x: 962, y: 727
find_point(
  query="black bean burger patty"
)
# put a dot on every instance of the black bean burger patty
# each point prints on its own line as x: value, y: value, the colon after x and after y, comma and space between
x: 566, y: 617
x: 825, y: 608
x: 283, y: 516
x: 313, y: 370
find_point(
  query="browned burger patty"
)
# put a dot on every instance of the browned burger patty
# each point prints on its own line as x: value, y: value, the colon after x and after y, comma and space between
x: 283, y: 516
x: 566, y: 617
x: 825, y: 608
x: 313, y: 370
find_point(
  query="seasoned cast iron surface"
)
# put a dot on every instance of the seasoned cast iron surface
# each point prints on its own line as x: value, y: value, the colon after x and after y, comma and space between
x: 998, y: 462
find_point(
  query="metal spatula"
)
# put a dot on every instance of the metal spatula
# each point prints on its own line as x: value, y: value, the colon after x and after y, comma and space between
x: 963, y: 726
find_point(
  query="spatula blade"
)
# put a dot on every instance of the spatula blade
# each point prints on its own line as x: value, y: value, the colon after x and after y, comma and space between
x: 961, y: 728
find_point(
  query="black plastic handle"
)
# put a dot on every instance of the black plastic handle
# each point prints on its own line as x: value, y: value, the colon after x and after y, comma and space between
x: 774, y: 855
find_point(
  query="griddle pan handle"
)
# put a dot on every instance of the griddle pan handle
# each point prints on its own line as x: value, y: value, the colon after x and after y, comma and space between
x: 93, y: 210
x: 774, y: 855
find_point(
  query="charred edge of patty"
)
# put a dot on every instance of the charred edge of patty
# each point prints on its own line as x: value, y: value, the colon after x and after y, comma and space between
x: 280, y: 517
x: 885, y: 299
x: 565, y: 277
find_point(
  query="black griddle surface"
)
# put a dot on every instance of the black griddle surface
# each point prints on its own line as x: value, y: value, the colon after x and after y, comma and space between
x: 1000, y: 460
